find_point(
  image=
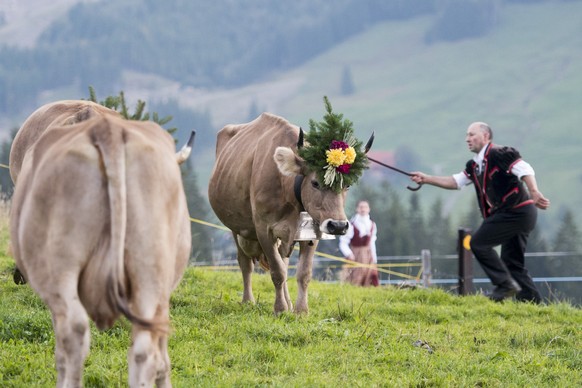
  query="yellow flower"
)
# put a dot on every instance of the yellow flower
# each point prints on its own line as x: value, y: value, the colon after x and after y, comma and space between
x: 350, y: 155
x: 335, y: 157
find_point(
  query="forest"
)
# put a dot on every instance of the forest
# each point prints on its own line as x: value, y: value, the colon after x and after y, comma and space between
x: 184, y: 42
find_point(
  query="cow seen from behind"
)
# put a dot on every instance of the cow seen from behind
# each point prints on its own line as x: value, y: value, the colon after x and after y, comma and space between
x: 100, y: 228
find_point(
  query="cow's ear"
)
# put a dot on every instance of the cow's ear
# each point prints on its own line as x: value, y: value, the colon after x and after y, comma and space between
x: 288, y: 162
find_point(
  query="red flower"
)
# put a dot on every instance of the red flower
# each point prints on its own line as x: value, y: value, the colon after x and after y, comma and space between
x: 338, y: 144
x: 344, y: 168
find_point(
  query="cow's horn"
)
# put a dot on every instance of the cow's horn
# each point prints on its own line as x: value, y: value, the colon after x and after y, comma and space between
x: 300, y: 140
x: 369, y: 143
x: 184, y: 153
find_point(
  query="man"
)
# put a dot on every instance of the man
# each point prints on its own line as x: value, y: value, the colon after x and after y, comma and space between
x: 508, y: 210
x: 359, y: 245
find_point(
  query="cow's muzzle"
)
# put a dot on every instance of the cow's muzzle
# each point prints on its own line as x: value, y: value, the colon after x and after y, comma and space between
x: 334, y: 226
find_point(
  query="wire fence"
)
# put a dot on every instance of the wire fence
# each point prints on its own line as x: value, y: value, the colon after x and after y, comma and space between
x: 410, y: 271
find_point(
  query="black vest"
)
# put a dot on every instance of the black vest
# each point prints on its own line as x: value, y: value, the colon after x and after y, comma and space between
x: 496, y: 187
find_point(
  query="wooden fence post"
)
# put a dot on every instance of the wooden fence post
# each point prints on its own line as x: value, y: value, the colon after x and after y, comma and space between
x: 465, y: 262
x: 426, y: 267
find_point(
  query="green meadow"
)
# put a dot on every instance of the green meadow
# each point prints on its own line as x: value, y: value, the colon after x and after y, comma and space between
x: 352, y: 336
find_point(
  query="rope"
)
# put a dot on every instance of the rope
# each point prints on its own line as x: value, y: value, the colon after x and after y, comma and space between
x: 337, y: 258
x: 320, y: 254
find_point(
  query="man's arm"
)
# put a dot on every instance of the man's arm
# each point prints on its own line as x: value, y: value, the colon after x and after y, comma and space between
x: 526, y: 173
x: 539, y: 200
x: 445, y: 182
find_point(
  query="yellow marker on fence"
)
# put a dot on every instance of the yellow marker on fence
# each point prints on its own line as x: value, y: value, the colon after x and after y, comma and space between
x: 467, y: 242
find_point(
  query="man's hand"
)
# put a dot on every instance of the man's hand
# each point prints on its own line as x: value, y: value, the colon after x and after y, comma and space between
x: 418, y: 177
x: 539, y: 200
x: 351, y: 257
x: 445, y: 182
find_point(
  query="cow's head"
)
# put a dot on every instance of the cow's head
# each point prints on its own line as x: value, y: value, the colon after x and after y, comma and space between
x: 325, y: 206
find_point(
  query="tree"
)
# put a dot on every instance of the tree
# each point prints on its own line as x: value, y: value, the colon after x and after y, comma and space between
x: 198, y: 208
x: 567, y: 238
x: 118, y: 104
x: 473, y: 218
x: 347, y: 87
x: 416, y: 223
x: 6, y: 185
x: 462, y: 19
x: 254, y: 111
x: 440, y: 238
x: 397, y: 236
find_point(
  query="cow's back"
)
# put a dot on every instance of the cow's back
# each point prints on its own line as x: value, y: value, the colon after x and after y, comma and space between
x: 245, y: 166
x: 61, y: 207
x: 66, y: 112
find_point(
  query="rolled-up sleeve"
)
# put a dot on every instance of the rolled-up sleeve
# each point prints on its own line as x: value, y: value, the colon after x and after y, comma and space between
x: 461, y: 179
x: 522, y: 168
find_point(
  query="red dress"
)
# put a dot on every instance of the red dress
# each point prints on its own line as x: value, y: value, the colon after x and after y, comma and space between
x: 367, y: 274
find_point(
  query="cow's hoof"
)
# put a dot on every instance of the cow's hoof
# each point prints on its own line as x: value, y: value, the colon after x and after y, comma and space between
x: 301, y: 310
x: 18, y: 277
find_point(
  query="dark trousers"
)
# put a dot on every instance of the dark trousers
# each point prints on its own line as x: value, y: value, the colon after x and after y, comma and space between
x: 510, y: 230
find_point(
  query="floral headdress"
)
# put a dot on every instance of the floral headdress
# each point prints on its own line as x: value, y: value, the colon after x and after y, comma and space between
x: 333, y: 152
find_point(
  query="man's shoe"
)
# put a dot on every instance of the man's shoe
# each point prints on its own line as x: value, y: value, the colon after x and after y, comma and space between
x: 528, y: 296
x: 504, y: 291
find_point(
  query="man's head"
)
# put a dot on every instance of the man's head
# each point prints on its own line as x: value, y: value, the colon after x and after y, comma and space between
x: 363, y: 208
x: 478, y: 136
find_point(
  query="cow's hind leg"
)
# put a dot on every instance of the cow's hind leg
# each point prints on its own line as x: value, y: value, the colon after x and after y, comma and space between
x: 71, y: 325
x: 147, y: 362
x: 246, y: 264
x: 285, y: 287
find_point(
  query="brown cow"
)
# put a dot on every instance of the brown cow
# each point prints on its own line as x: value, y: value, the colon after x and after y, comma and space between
x: 100, y: 227
x: 258, y: 188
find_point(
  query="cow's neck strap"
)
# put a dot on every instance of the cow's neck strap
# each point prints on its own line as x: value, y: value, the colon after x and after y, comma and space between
x: 297, y: 189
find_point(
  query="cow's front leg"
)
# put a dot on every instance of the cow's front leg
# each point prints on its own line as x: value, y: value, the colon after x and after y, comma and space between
x: 304, y: 270
x: 278, y: 270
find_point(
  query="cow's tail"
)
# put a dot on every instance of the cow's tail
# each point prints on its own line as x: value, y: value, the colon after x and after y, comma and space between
x: 110, y: 142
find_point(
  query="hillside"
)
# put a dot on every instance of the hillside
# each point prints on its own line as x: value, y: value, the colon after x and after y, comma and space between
x: 522, y: 77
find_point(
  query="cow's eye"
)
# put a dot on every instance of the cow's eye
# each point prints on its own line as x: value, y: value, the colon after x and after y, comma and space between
x: 315, y: 184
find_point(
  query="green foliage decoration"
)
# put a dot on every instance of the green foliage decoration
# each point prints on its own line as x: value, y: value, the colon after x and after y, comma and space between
x: 334, y: 137
x: 118, y: 104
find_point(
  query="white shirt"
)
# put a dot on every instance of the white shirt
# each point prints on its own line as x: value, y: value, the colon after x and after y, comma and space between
x: 519, y: 169
x: 364, y: 225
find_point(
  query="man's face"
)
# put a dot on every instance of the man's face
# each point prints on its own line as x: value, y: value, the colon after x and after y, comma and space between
x: 363, y: 208
x: 476, y: 138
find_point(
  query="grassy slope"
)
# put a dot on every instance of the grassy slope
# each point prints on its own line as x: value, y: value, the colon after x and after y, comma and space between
x: 523, y: 79
x: 353, y: 336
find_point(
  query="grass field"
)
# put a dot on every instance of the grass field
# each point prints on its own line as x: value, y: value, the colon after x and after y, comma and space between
x: 352, y: 337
